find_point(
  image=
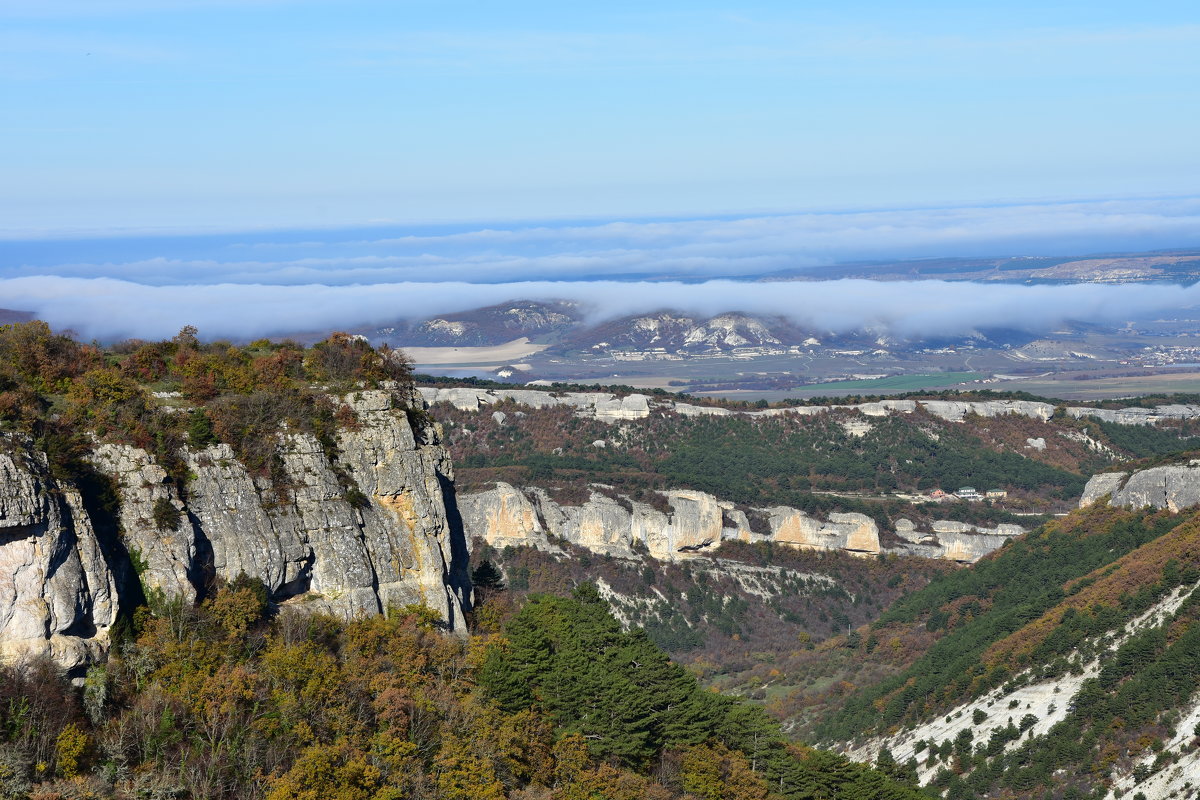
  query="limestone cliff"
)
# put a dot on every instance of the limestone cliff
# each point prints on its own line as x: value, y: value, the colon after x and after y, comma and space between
x: 854, y: 533
x: 1173, y: 487
x: 696, y: 523
x: 368, y: 524
x: 58, y: 594
x: 608, y: 407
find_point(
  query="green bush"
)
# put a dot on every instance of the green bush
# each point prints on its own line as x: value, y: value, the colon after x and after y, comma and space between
x: 166, y: 516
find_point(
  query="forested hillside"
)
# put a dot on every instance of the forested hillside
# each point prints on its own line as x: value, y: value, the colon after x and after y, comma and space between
x: 760, y: 621
x: 252, y: 692
x: 234, y: 699
x: 818, y: 463
x: 1097, y: 611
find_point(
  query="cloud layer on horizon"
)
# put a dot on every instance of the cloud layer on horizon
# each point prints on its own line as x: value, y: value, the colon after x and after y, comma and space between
x: 694, y: 249
x: 272, y: 283
x: 110, y: 309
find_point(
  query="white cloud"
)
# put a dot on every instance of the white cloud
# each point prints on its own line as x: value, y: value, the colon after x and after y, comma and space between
x: 112, y: 309
x: 692, y: 249
x: 239, y: 286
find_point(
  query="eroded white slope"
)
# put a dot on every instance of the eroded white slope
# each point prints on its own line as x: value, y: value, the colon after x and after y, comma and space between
x: 1050, y: 702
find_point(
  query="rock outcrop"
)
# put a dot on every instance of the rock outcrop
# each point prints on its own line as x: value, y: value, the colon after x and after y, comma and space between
x: 695, y: 523
x: 611, y: 408
x: 506, y: 516
x: 359, y: 528
x: 1138, y: 416
x: 58, y: 594
x: 1173, y: 487
x: 854, y: 533
x: 954, y: 541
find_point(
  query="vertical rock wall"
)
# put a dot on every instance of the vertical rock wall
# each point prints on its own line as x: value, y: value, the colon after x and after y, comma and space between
x: 58, y: 596
x: 696, y: 523
x: 367, y: 525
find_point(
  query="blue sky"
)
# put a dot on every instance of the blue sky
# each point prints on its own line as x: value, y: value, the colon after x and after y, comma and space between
x: 257, y: 166
x: 133, y: 115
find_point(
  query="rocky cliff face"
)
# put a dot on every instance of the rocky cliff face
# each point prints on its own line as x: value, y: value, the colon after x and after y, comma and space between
x: 611, y: 408
x: 58, y: 596
x: 696, y: 523
x: 505, y: 516
x: 1173, y: 487
x: 369, y: 526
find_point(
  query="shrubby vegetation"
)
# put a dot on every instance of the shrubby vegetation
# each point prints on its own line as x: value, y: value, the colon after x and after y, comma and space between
x: 752, y: 462
x: 976, y: 608
x: 778, y: 640
x: 807, y: 462
x: 1145, y: 441
x: 58, y: 391
x: 1117, y: 718
x: 231, y: 700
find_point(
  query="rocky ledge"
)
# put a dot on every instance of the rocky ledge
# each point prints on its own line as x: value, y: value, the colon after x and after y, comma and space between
x: 1173, y: 487
x: 58, y: 595
x: 608, y: 407
x: 695, y: 523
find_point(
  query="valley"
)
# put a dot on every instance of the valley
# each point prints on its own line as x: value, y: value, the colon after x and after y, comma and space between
x: 740, y: 356
x: 599, y: 401
x: 969, y: 594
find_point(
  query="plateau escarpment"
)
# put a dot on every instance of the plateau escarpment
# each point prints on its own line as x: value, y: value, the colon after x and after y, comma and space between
x: 1171, y: 487
x: 357, y: 527
x: 690, y: 523
x: 610, y: 407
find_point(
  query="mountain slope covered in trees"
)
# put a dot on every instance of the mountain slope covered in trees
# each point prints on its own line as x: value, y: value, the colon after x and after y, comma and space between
x: 1066, y: 663
x: 835, y: 461
x: 230, y: 699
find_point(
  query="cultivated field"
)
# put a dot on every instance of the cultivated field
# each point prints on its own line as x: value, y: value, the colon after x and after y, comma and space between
x: 495, y: 356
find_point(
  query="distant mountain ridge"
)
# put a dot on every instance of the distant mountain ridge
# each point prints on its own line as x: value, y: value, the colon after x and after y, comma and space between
x: 565, y: 327
x: 480, y: 327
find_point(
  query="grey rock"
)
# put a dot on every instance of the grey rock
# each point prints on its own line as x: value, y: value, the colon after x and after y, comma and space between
x: 1171, y: 487
x: 503, y: 517
x: 855, y: 533
x: 1124, y: 416
x: 634, y: 406
x: 169, y: 555
x: 954, y: 541
x: 856, y: 427
x: 689, y: 410
x: 610, y: 408
x: 368, y: 525
x: 1105, y: 483
x: 58, y: 595
x: 506, y: 516
x: 1138, y: 416
x: 696, y: 523
x: 955, y: 411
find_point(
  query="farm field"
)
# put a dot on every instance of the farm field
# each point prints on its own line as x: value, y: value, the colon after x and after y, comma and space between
x: 495, y: 356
